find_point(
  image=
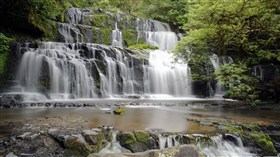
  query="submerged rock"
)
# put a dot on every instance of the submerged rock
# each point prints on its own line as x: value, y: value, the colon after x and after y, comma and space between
x: 119, y: 110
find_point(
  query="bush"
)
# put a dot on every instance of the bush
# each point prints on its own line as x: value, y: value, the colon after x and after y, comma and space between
x: 4, y: 51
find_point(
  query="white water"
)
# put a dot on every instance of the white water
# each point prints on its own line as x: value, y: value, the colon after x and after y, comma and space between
x: 67, y: 71
x: 217, y: 147
x: 162, y: 76
x: 157, y: 34
x: 75, y: 70
x: 117, y: 34
x: 217, y: 62
x: 222, y: 148
x: 113, y: 147
x: 167, y: 141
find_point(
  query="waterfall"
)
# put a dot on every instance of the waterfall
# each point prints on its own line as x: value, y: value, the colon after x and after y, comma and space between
x: 113, y: 147
x: 80, y: 69
x: 266, y: 72
x: 162, y: 76
x: 217, y: 62
x: 117, y: 34
x: 223, y: 148
x: 167, y: 141
x: 216, y: 146
x: 157, y: 34
x: 65, y: 70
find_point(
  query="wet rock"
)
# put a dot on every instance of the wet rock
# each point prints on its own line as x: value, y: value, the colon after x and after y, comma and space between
x: 231, y: 138
x: 27, y: 155
x: 119, y: 110
x: 11, y: 154
x: 134, y: 141
x: 98, y: 138
x: 185, y: 139
x: 76, y: 146
x: 50, y: 143
x: 24, y: 135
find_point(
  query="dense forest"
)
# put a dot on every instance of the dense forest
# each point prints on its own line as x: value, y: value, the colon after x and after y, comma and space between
x: 246, y: 30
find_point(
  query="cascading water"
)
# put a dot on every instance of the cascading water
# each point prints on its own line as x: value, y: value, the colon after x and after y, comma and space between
x: 76, y: 70
x: 165, y: 77
x: 217, y: 62
x: 157, y: 34
x: 167, y: 141
x: 67, y: 73
x: 223, y: 148
x: 117, y: 34
x: 215, y: 146
x: 266, y: 72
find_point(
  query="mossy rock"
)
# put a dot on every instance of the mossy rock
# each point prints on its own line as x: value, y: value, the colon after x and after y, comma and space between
x: 142, y: 47
x: 119, y: 110
x: 264, y: 142
x: 106, y: 36
x: 141, y: 41
x: 127, y: 140
x: 231, y: 128
x: 129, y: 37
x: 185, y: 139
x: 103, y: 20
x: 76, y: 146
x: 101, y: 35
x: 205, y: 141
x: 97, y: 35
x: 96, y: 140
x: 141, y: 136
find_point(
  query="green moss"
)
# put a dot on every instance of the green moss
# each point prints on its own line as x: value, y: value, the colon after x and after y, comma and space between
x: 231, y: 128
x: 127, y: 140
x: 141, y: 41
x: 4, y: 51
x: 141, y: 137
x: 96, y: 35
x: 99, y: 20
x: 251, y: 127
x: 101, y: 143
x: 109, y: 135
x: 75, y: 147
x: 119, y: 110
x: 264, y: 142
x: 142, y: 46
x: 129, y: 37
x: 106, y: 36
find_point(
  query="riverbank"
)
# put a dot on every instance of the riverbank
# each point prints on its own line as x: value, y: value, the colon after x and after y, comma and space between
x: 44, y: 131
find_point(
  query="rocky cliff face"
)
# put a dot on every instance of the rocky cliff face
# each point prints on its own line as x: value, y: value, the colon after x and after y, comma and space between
x: 76, y: 66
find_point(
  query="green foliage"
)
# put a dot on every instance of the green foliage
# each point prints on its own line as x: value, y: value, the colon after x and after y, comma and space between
x: 169, y: 11
x: 129, y: 36
x: 243, y: 29
x: 4, y: 51
x: 142, y: 47
x: 106, y: 34
x: 237, y: 79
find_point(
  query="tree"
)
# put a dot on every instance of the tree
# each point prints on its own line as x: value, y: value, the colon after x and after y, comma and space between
x: 171, y: 11
x: 247, y: 30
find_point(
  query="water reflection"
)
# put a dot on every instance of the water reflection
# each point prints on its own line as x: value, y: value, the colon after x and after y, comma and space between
x: 171, y: 119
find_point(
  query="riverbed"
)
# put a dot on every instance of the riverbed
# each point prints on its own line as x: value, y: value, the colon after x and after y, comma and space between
x: 169, y: 118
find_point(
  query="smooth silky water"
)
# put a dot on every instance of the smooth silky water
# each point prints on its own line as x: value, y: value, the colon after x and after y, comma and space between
x: 79, y: 71
x: 146, y: 116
